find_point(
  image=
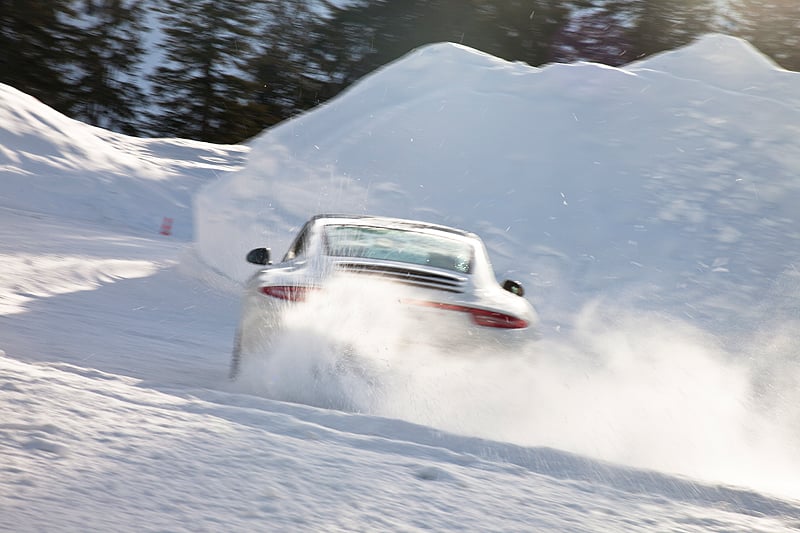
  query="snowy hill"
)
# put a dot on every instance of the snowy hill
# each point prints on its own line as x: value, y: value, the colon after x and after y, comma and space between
x: 55, y: 165
x: 727, y: 63
x: 651, y: 211
x: 666, y: 189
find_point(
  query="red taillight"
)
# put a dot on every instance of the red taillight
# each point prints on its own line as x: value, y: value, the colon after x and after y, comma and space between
x: 482, y: 317
x: 291, y: 293
x: 493, y: 319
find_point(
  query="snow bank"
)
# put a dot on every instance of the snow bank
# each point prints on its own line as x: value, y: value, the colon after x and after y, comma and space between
x: 63, y: 167
x: 650, y: 210
x: 728, y: 63
x: 583, y: 179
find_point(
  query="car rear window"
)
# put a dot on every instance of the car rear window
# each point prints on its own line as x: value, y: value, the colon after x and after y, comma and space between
x: 393, y: 244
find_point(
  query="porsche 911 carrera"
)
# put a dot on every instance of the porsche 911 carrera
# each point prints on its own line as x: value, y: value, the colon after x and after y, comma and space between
x: 448, y: 282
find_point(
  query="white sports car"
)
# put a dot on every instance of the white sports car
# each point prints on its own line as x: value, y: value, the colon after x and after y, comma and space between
x: 446, y: 281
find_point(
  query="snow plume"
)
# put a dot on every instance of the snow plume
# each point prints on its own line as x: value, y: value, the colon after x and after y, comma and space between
x: 345, y: 348
x: 640, y: 389
x: 652, y: 391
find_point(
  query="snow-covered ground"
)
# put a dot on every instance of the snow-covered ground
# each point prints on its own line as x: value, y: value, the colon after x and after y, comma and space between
x: 651, y: 211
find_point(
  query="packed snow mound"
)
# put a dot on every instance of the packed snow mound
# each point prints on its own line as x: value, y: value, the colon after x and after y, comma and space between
x: 729, y: 63
x: 450, y: 135
x: 36, y: 139
x: 64, y: 167
x: 711, y: 56
x: 454, y: 65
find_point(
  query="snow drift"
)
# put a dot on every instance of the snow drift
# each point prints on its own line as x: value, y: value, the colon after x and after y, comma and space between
x: 59, y: 166
x: 673, y: 191
x: 651, y: 210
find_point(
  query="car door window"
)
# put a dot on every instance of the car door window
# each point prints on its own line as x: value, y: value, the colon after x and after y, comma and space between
x: 298, y: 247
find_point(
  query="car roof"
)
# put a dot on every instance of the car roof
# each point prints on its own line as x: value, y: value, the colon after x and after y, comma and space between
x: 391, y: 222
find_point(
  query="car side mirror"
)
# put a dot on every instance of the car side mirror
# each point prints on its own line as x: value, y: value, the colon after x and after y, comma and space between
x: 514, y: 287
x: 259, y: 256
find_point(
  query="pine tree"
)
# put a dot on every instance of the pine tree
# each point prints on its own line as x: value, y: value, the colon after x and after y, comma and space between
x: 370, y: 33
x: 201, y: 89
x: 286, y: 70
x: 105, y: 88
x: 35, y: 46
x: 521, y: 30
x: 772, y: 26
x: 660, y: 25
x: 366, y: 35
x: 597, y: 31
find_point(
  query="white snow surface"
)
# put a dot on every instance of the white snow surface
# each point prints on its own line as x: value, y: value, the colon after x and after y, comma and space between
x: 651, y: 211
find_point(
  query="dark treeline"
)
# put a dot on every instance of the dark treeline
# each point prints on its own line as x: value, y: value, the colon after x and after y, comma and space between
x: 226, y: 69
